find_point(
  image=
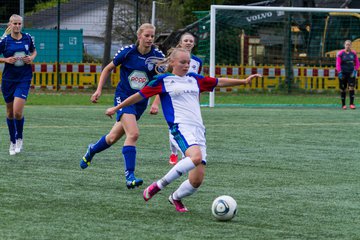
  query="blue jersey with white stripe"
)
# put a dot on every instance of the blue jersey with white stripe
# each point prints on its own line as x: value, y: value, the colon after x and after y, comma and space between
x: 195, y: 64
x: 18, y: 72
x: 136, y: 69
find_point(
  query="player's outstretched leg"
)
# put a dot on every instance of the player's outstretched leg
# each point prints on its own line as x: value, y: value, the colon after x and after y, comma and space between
x: 86, y: 159
x: 150, y: 191
x: 92, y: 149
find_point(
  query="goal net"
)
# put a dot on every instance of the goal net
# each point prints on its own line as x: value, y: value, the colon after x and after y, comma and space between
x: 285, y: 44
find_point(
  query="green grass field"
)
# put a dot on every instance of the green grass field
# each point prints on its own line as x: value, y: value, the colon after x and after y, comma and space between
x: 294, y: 173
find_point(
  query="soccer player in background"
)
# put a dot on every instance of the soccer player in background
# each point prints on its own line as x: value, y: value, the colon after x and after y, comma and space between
x: 137, y: 69
x: 187, y: 41
x: 179, y: 94
x: 347, y: 64
x: 18, y: 50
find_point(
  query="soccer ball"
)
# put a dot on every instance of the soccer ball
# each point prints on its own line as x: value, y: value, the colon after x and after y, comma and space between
x: 224, y: 208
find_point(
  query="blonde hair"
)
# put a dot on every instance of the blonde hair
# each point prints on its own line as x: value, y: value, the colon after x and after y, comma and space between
x: 347, y: 41
x: 182, y: 37
x: 164, y: 65
x: 11, y: 19
x: 142, y: 28
x: 15, y: 16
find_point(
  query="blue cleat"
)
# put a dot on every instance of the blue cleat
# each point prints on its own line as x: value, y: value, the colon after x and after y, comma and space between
x: 86, y: 160
x: 132, y: 181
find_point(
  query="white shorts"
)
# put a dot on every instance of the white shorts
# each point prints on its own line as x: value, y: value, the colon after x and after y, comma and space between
x: 183, y: 136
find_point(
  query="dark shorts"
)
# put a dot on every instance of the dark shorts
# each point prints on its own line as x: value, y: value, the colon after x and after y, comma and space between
x: 11, y: 89
x: 346, y: 81
x: 136, y: 109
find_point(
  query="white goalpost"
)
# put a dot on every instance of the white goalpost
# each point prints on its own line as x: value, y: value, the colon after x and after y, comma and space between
x: 258, y: 12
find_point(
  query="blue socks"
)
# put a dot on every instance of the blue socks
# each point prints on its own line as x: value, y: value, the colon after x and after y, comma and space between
x: 99, y: 146
x: 16, y: 128
x: 19, y: 127
x: 129, y: 153
x: 12, y: 129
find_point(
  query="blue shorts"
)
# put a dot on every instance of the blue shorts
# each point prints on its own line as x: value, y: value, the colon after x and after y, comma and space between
x: 136, y: 109
x: 11, y: 89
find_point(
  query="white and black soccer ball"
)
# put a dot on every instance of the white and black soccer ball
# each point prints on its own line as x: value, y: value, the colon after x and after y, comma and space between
x: 224, y: 208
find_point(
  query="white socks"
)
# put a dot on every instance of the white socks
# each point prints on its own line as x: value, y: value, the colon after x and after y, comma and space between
x: 185, y: 189
x: 182, y: 167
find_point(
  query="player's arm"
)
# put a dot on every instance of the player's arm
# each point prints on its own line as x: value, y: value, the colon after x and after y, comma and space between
x: 229, y: 82
x: 147, y: 92
x: 105, y: 73
x: 155, y: 105
x: 357, y: 63
x: 127, y: 102
x: 338, y: 62
x: 9, y: 60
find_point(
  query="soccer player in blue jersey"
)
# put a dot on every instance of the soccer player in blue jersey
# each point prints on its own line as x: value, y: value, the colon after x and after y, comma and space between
x: 187, y: 42
x: 18, y: 50
x: 179, y: 94
x: 136, y: 70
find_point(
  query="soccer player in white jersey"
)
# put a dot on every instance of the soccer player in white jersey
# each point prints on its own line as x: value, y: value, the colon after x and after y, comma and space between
x: 179, y: 94
x: 18, y: 50
x: 187, y: 42
x: 136, y: 70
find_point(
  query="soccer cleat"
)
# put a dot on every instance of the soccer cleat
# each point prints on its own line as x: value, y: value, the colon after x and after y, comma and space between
x: 132, y: 181
x: 150, y: 191
x: 86, y: 160
x: 179, y: 206
x: 173, y: 159
x: 352, y: 106
x: 18, y: 145
x: 12, y: 148
x: 344, y: 107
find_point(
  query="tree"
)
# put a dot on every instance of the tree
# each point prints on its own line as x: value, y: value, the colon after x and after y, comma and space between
x: 107, y: 48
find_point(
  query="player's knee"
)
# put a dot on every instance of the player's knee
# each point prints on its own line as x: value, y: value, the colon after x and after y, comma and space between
x: 196, y: 158
x: 9, y: 114
x: 112, y: 138
x: 133, y: 136
x: 18, y: 115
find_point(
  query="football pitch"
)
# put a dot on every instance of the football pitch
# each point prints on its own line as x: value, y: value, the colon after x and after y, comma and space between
x: 293, y: 172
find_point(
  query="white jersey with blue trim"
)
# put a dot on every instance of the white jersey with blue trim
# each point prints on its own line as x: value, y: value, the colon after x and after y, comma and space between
x: 136, y: 69
x: 179, y: 96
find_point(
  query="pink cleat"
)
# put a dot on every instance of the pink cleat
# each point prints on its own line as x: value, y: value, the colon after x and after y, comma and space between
x: 344, y: 107
x: 179, y: 206
x: 150, y: 191
x: 352, y: 106
x: 173, y: 159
